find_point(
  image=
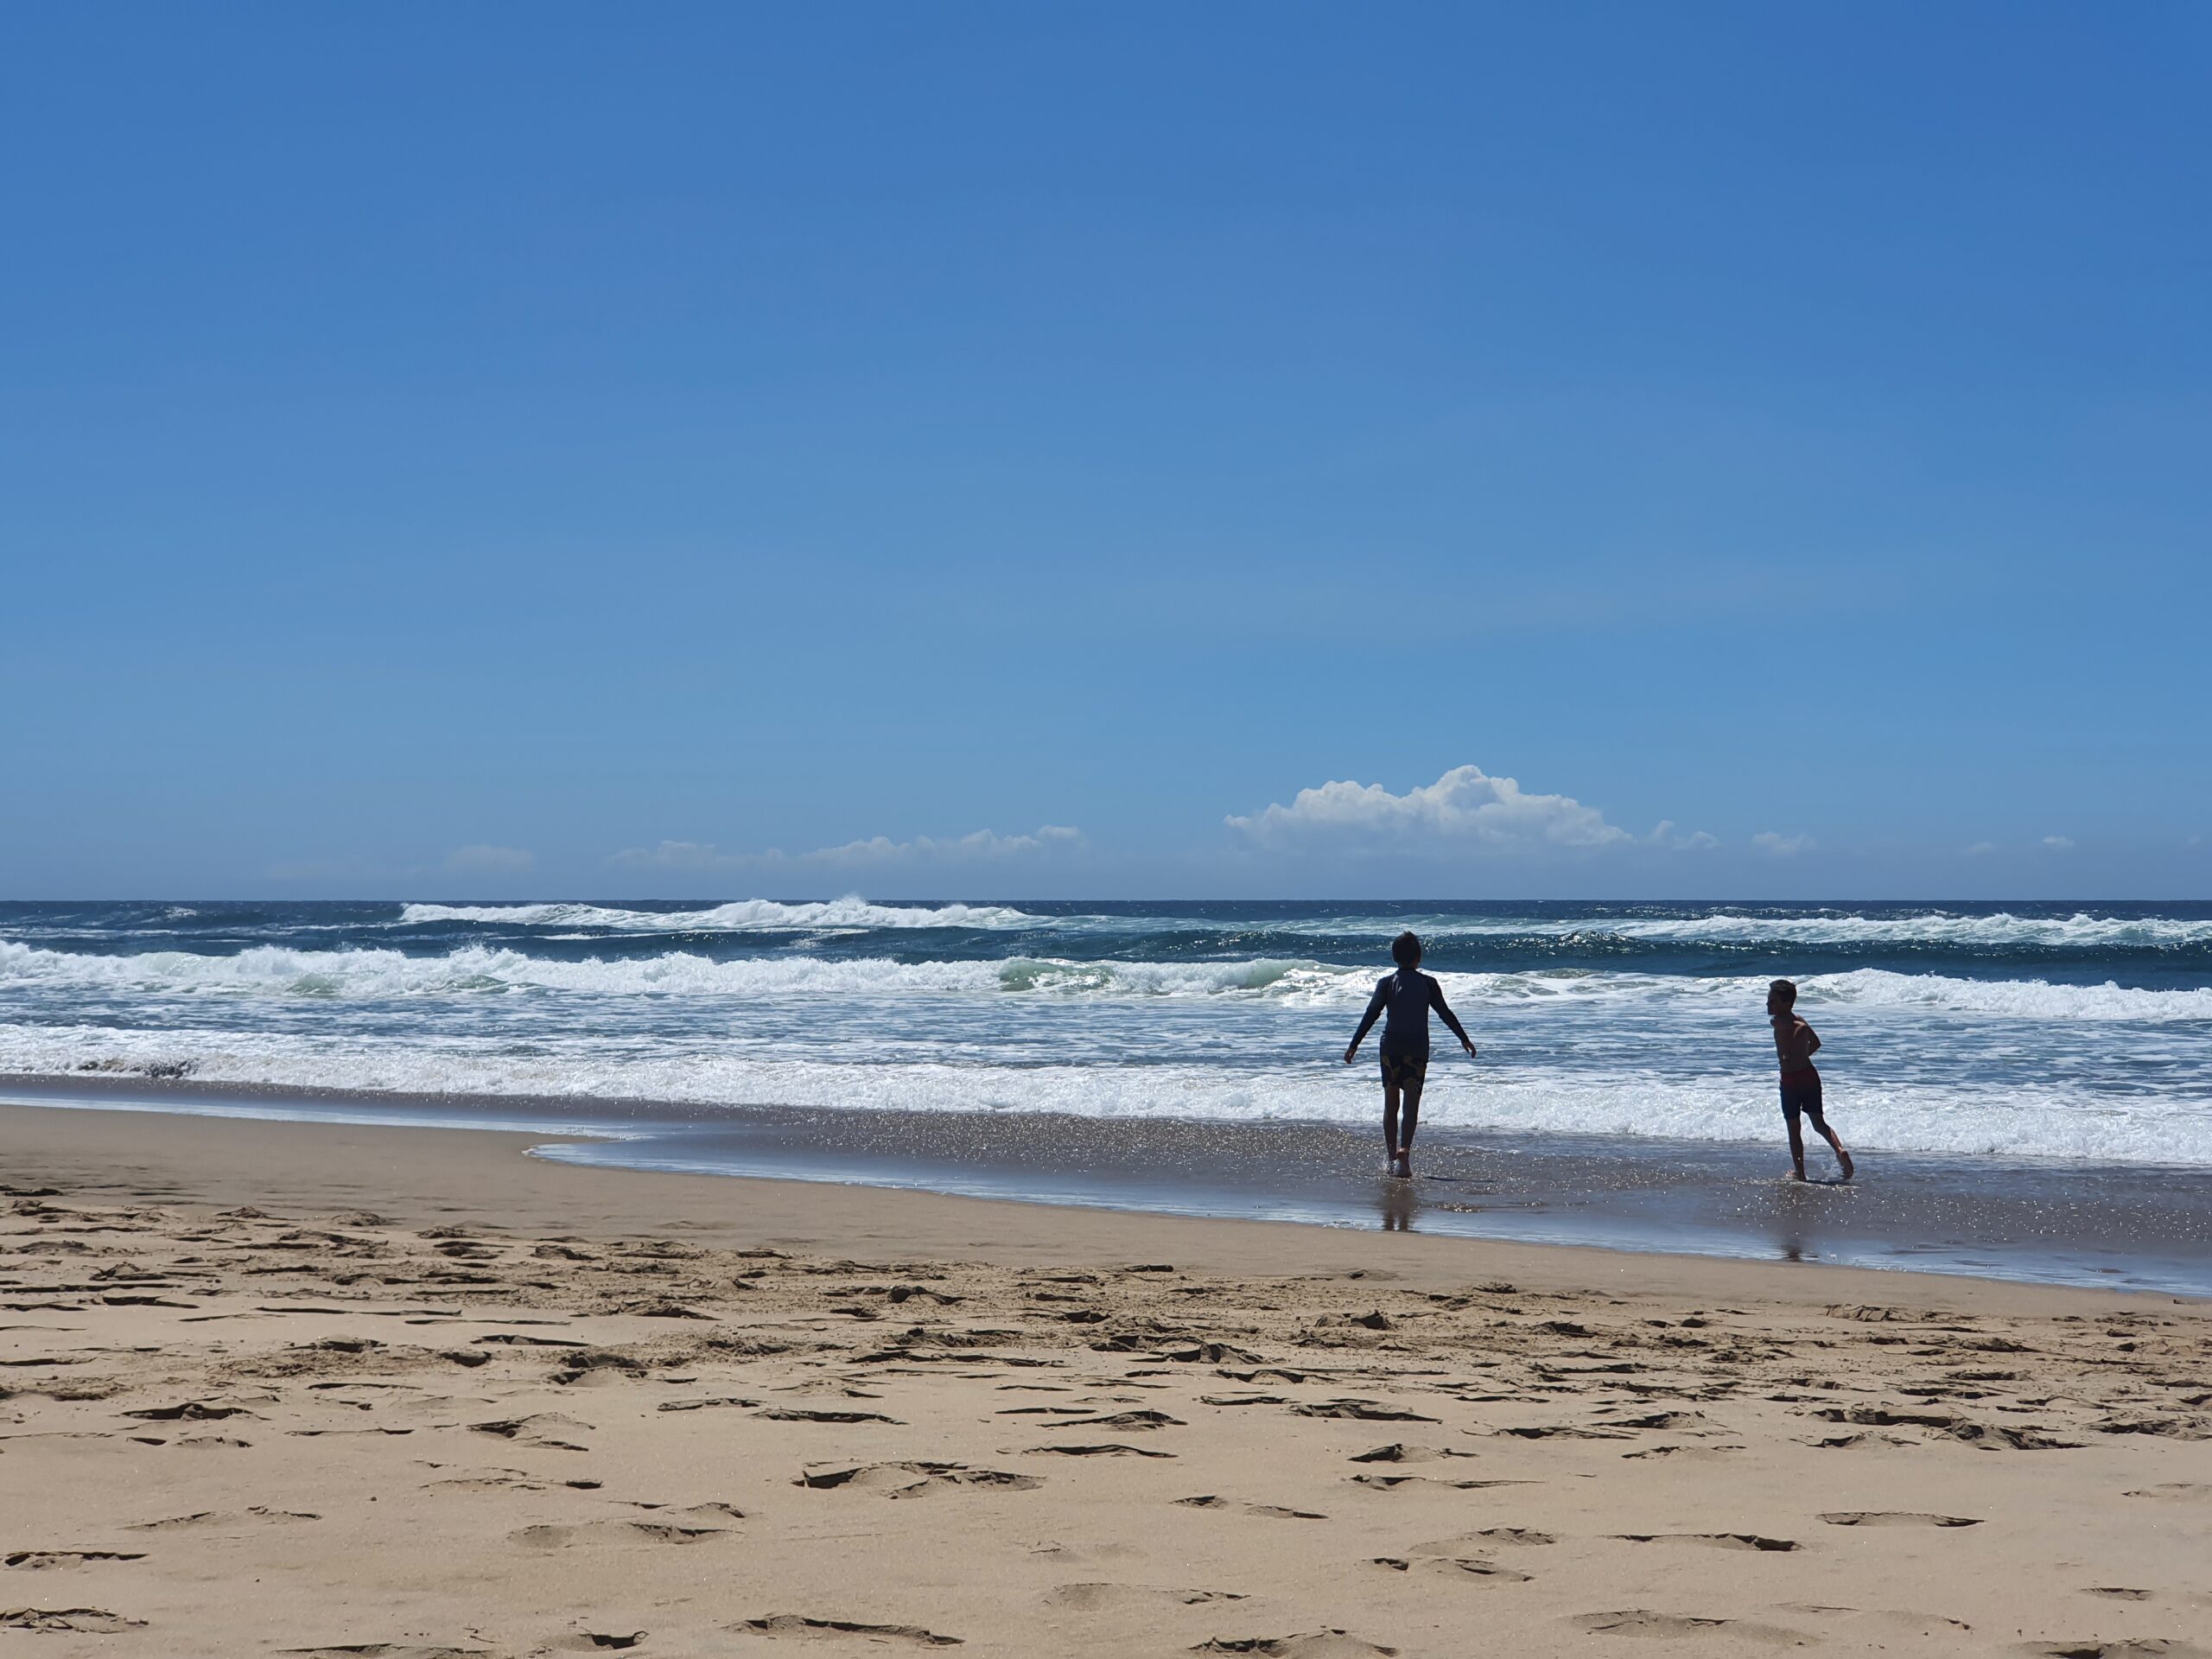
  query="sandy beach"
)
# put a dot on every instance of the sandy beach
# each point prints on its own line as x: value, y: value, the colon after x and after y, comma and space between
x: 312, y: 1388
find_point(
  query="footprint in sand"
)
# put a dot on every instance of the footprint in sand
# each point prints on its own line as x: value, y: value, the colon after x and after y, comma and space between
x: 1710, y: 1540
x: 385, y: 1650
x: 713, y: 1510
x: 93, y: 1621
x: 1312, y: 1644
x: 2152, y: 1647
x: 1461, y: 1567
x: 1109, y: 1450
x: 40, y: 1560
x: 192, y: 1411
x: 1391, y: 1483
x: 1365, y: 1411
x: 222, y: 1517
x: 615, y: 1532
x: 1399, y: 1452
x: 1897, y: 1621
x: 1526, y: 1536
x: 801, y: 1414
x: 539, y: 1429
x: 1130, y: 1420
x: 1896, y: 1518
x: 1270, y: 1511
x: 804, y: 1626
x: 1639, y: 1621
x: 1110, y: 1598
x: 911, y: 1480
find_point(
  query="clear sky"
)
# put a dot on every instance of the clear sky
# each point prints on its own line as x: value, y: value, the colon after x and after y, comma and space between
x: 1106, y: 449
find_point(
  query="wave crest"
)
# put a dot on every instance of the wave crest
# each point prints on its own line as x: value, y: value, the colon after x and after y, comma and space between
x: 739, y: 916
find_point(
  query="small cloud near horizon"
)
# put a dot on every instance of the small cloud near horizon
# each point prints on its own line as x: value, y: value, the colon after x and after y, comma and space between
x: 1981, y: 849
x: 1464, y: 807
x: 1781, y: 845
x: 2059, y: 843
x: 876, y: 852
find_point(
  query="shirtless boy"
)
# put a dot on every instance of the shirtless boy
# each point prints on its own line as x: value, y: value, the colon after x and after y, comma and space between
x: 1406, y: 996
x: 1795, y: 1045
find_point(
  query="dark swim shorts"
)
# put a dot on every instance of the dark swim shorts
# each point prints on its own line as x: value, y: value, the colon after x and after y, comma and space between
x: 1404, y: 1070
x: 1803, y: 1096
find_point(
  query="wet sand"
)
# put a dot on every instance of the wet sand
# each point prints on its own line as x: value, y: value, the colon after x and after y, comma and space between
x: 2133, y: 1226
x: 319, y: 1388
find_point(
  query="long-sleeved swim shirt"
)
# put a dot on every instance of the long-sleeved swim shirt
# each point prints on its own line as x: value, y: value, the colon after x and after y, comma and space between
x: 1406, y: 996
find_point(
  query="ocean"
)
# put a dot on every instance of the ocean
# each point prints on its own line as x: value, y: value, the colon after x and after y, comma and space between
x: 2042, y: 1038
x: 2055, y: 1032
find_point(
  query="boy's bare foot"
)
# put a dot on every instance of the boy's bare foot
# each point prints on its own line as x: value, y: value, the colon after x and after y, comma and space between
x: 1797, y: 1174
x: 1844, y: 1158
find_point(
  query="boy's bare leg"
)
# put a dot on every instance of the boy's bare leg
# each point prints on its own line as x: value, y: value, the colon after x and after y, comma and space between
x: 1390, y: 1122
x: 1796, y: 1150
x: 1842, y: 1158
x: 1409, y: 1121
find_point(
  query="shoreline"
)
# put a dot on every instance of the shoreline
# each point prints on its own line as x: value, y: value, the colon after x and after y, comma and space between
x: 425, y: 1176
x: 2136, y: 1226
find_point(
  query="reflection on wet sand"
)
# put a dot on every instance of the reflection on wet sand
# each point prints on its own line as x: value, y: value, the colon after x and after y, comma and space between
x: 1401, y: 1203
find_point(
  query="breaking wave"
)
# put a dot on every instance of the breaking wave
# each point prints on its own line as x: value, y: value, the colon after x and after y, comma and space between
x: 276, y: 971
x: 742, y: 916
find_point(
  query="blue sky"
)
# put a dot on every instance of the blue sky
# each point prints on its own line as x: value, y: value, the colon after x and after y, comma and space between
x: 1041, y: 450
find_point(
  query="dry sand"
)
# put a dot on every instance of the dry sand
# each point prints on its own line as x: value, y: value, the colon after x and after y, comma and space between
x: 282, y: 1387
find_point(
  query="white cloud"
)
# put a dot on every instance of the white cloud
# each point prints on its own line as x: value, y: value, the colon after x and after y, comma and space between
x: 1668, y: 836
x: 878, y: 852
x: 482, y: 860
x: 1981, y: 849
x: 2059, y: 843
x: 1464, y: 807
x: 1775, y: 846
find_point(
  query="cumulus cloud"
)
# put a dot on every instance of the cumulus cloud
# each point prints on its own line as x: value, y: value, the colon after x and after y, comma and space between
x: 1672, y: 839
x: 877, y: 852
x: 1464, y: 807
x: 1981, y: 849
x: 483, y: 860
x: 1779, y: 846
x: 2059, y: 843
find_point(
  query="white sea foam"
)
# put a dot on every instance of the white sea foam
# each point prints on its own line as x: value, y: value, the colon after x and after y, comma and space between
x: 1961, y: 1117
x: 1936, y: 929
x: 2080, y: 931
x: 276, y: 971
x: 742, y: 916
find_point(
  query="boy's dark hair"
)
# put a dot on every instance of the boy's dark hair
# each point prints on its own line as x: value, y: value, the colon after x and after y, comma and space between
x: 1785, y: 991
x: 1405, y: 950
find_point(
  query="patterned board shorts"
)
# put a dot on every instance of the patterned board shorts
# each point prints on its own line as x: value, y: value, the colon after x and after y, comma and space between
x: 1404, y: 1070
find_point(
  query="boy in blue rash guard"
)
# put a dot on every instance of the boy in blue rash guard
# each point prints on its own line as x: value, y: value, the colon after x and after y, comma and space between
x: 1406, y: 997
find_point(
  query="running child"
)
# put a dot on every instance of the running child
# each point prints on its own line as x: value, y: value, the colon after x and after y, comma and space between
x: 1795, y: 1045
x: 1406, y: 997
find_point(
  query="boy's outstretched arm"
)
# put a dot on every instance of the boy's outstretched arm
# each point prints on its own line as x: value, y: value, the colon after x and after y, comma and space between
x: 1375, y: 1005
x: 1436, y: 1001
